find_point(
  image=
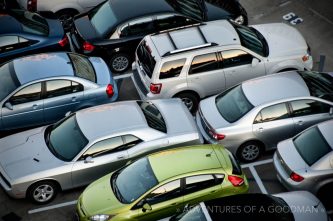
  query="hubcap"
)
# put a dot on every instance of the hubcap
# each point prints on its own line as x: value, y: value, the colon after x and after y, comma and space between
x: 188, y: 102
x: 250, y: 152
x: 66, y: 21
x: 120, y: 63
x: 43, y: 193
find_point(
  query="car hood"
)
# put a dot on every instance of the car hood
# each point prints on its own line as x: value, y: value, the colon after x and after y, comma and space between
x: 290, y: 156
x: 25, y: 153
x: 282, y: 39
x: 98, y: 198
x: 211, y: 114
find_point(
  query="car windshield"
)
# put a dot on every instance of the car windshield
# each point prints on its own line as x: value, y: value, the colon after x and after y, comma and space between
x: 65, y: 138
x: 8, y: 79
x: 133, y: 181
x: 192, y: 8
x: 312, y: 145
x: 233, y: 104
x: 31, y: 22
x: 103, y: 18
x: 146, y: 60
x: 153, y: 116
x: 319, y: 84
x: 194, y: 214
x: 252, y: 39
x: 82, y: 67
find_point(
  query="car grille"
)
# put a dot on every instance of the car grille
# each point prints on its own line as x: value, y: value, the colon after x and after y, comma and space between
x: 139, y: 82
x: 283, y: 164
x: 205, y: 125
x: 5, y: 180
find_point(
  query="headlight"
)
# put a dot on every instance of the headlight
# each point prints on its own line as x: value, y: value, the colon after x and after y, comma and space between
x: 239, y: 20
x: 100, y: 217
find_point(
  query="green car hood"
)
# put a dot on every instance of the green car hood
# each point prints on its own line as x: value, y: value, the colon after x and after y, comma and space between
x: 98, y: 198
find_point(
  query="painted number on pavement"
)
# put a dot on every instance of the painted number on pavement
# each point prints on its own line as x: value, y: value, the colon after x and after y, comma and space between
x: 292, y: 18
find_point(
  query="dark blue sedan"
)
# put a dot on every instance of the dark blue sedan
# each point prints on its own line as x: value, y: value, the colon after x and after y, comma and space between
x: 24, y: 33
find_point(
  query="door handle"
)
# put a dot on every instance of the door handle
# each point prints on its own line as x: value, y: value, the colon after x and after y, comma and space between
x: 73, y: 98
x: 213, y: 191
x: 261, y: 129
x: 300, y: 122
x: 121, y: 157
x: 35, y: 106
x: 174, y: 204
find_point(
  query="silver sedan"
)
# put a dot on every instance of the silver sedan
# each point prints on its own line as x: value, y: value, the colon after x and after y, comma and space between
x: 89, y: 144
x: 255, y: 115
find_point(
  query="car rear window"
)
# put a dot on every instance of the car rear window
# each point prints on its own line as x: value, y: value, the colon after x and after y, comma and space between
x: 236, y: 168
x: 146, y: 60
x: 31, y: 22
x: 153, y: 116
x: 311, y: 145
x: 8, y: 80
x: 83, y: 67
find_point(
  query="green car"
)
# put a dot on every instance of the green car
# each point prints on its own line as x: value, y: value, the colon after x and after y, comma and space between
x: 161, y: 184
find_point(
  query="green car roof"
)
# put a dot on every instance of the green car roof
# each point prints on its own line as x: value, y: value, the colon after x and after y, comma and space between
x: 178, y: 161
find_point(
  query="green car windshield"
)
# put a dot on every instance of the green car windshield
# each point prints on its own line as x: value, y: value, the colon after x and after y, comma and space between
x: 133, y: 181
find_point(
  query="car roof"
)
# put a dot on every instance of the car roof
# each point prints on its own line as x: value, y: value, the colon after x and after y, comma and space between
x: 219, y: 32
x: 326, y: 129
x: 103, y: 120
x: 275, y: 87
x: 39, y: 66
x: 9, y: 24
x: 178, y: 161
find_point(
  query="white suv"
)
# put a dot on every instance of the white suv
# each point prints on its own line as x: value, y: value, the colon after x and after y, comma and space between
x: 201, y: 60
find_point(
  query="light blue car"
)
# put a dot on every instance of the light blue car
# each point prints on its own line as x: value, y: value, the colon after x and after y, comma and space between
x: 42, y: 88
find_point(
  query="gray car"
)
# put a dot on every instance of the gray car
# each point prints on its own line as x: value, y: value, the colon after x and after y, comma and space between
x: 255, y: 115
x: 89, y: 144
x: 305, y: 162
x: 40, y: 89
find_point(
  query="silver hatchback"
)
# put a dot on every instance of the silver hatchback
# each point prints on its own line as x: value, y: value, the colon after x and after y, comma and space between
x: 255, y: 115
x: 89, y: 144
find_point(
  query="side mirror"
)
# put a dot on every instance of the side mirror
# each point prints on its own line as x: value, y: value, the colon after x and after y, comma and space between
x: 331, y: 111
x: 88, y: 160
x: 146, y: 207
x: 9, y: 105
x: 331, y: 161
x: 255, y: 62
x: 68, y: 113
x: 128, y: 162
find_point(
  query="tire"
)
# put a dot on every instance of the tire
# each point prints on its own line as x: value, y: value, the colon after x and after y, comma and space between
x: 190, y: 100
x: 43, y: 192
x: 119, y: 63
x: 66, y: 18
x: 325, y: 195
x: 250, y: 151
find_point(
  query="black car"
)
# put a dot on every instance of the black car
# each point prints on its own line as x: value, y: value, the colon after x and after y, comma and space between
x: 113, y: 29
x: 23, y: 33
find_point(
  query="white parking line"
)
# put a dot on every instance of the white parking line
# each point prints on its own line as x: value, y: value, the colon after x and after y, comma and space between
x: 258, y: 180
x: 52, y: 207
x: 258, y: 163
x: 123, y: 76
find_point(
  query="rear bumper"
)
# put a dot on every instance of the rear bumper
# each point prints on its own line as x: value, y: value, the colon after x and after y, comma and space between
x: 202, y: 131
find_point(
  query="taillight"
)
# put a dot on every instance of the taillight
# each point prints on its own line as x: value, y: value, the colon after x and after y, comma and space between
x: 236, y: 180
x: 296, y: 177
x: 155, y: 88
x: 216, y: 135
x: 32, y: 5
x: 63, y: 42
x: 87, y: 47
x: 109, y: 90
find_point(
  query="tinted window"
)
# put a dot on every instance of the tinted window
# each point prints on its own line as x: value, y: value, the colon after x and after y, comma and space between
x: 153, y: 116
x: 141, y: 26
x: 103, y: 18
x: 311, y: 145
x: 171, y: 21
x: 166, y: 192
x: 28, y: 94
x: 57, y: 88
x: 197, y: 183
x: 83, y: 67
x: 233, y: 104
x: 146, y: 60
x: 8, y: 40
x: 65, y: 139
x: 124, y: 31
x: 190, y: 8
x: 275, y: 112
x: 130, y: 141
x: 8, y: 80
x: 202, y: 63
x: 76, y: 87
x: 133, y: 181
x: 234, y: 58
x: 308, y: 107
x: 172, y: 68
x: 104, y: 147
x: 31, y: 22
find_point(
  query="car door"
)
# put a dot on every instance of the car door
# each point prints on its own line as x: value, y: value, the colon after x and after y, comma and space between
x: 206, y: 73
x: 24, y: 108
x: 12, y: 45
x: 239, y: 66
x: 307, y: 112
x: 165, y: 201
x: 99, y: 159
x: 61, y: 96
x: 273, y: 124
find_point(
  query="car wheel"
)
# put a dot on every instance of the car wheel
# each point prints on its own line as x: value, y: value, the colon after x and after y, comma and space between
x: 66, y: 18
x: 43, y: 192
x: 190, y: 100
x: 250, y: 151
x: 119, y: 63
